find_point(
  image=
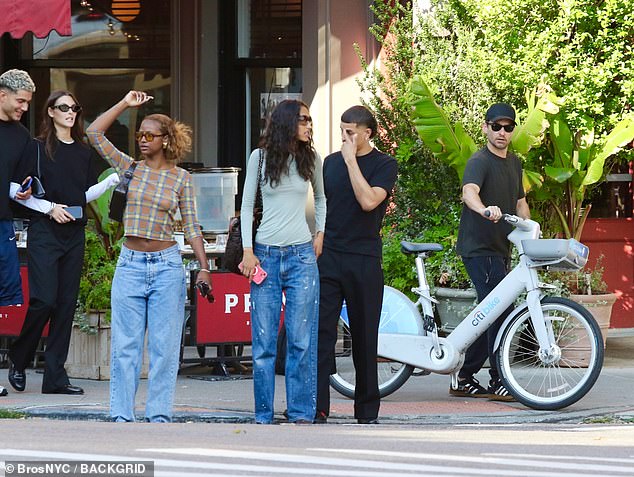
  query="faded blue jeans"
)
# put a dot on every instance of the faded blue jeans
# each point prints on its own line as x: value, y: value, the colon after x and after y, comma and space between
x: 292, y: 270
x: 148, y: 292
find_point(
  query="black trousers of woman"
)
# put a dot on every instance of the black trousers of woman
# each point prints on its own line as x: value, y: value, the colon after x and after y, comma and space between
x: 55, y: 254
x: 357, y: 279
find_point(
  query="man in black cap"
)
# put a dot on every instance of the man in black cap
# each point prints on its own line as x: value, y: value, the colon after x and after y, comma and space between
x: 491, y: 186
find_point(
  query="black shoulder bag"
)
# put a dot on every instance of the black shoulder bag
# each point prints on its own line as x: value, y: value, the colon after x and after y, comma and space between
x: 120, y: 195
x: 37, y: 189
x: 233, y: 249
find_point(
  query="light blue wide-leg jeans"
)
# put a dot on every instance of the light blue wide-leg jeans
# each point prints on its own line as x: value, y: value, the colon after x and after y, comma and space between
x: 148, y: 292
x: 292, y: 270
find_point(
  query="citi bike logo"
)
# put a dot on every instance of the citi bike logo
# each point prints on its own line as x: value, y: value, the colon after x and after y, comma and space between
x: 482, y: 314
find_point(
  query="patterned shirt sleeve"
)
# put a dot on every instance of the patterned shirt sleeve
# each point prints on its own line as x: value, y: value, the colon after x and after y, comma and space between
x: 187, y: 206
x: 106, y: 149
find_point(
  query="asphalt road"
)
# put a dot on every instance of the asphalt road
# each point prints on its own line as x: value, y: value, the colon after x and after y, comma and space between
x: 197, y: 449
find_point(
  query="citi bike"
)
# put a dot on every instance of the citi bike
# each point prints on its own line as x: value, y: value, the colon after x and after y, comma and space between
x: 549, y: 349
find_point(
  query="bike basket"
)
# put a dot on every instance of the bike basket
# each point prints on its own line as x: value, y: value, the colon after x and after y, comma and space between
x: 556, y: 254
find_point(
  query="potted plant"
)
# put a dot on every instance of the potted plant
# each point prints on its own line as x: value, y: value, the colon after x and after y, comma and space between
x: 445, y: 271
x: 452, y: 286
x: 575, y: 161
x: 103, y: 244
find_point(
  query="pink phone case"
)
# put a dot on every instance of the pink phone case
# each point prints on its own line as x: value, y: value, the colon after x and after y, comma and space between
x: 259, y: 275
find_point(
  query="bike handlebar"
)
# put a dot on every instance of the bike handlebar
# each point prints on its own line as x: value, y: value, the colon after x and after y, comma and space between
x: 514, y: 220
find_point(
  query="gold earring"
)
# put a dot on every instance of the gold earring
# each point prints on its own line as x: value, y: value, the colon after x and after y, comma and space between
x: 165, y: 145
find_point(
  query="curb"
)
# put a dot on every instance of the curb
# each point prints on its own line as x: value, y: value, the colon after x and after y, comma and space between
x: 246, y: 417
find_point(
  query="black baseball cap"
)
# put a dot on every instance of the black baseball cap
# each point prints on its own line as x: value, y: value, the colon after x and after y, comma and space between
x: 500, y: 111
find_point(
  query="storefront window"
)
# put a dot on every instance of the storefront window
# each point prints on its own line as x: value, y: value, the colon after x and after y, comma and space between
x: 613, y: 197
x: 265, y: 88
x: 269, y: 28
x: 111, y: 29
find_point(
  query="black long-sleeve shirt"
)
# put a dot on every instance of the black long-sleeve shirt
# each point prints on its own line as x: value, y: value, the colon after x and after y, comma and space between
x: 67, y: 176
x: 15, y: 147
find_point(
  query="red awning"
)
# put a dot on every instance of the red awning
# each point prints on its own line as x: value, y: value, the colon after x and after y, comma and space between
x: 38, y: 16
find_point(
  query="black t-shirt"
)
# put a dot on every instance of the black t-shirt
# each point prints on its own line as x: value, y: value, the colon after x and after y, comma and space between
x: 15, y: 146
x: 68, y: 176
x: 348, y: 227
x: 500, y: 182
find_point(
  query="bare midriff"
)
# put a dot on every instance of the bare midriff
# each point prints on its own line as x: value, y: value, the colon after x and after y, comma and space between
x: 140, y: 244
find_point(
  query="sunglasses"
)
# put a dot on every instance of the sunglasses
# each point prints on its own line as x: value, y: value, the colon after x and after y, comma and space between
x: 496, y: 127
x: 149, y: 137
x: 64, y: 108
x: 304, y: 119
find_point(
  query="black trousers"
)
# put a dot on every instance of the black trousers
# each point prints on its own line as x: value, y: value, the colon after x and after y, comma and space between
x: 357, y: 279
x: 485, y: 273
x: 55, y: 254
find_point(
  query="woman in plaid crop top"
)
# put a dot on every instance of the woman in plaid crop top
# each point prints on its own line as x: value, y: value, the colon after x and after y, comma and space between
x: 148, y: 289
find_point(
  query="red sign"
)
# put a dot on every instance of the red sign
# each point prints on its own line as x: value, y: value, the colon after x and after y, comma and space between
x: 37, y: 16
x: 228, y: 319
x: 12, y: 317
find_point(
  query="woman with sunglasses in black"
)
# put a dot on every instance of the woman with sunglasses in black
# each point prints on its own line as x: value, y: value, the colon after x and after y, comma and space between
x: 56, y: 242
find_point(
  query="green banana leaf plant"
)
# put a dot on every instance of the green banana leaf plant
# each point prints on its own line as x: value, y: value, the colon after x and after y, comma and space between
x: 109, y: 231
x: 578, y: 160
x: 450, y: 144
x: 454, y: 146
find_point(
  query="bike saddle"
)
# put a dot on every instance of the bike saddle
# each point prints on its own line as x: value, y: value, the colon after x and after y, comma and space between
x: 410, y: 247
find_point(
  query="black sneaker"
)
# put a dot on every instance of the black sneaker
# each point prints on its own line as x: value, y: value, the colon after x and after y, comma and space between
x: 497, y: 391
x: 3, y: 391
x: 469, y: 387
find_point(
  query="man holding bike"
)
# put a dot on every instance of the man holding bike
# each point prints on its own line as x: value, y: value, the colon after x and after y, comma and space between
x: 357, y: 182
x: 491, y: 186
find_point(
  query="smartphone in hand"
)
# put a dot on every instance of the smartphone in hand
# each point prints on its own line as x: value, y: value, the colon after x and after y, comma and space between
x: 24, y: 187
x: 76, y: 211
x: 205, y: 291
x: 259, y: 274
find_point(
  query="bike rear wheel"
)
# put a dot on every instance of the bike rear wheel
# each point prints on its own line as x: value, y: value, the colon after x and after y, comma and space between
x: 397, y: 315
x: 559, y: 380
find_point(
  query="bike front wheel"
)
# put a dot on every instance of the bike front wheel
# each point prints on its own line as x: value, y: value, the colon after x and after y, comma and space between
x: 563, y: 376
x: 398, y: 314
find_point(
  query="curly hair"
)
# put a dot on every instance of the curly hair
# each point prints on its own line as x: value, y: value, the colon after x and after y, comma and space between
x: 178, y: 135
x: 280, y: 141
x: 16, y: 80
x: 48, y: 134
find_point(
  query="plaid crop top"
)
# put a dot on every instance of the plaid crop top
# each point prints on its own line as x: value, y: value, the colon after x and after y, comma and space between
x: 154, y: 196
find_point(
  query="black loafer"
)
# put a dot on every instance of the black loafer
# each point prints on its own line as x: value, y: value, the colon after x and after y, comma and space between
x: 367, y: 421
x: 17, y: 378
x: 68, y: 389
x: 321, y: 417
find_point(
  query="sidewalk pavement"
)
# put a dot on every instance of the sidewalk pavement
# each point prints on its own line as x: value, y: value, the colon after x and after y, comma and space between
x: 202, y: 397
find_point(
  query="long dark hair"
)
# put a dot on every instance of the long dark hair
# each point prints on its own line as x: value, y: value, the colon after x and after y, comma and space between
x: 48, y: 133
x: 280, y: 141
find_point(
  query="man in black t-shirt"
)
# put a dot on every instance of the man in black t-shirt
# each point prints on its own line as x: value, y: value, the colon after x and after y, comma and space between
x: 16, y: 91
x: 491, y: 186
x: 357, y: 183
